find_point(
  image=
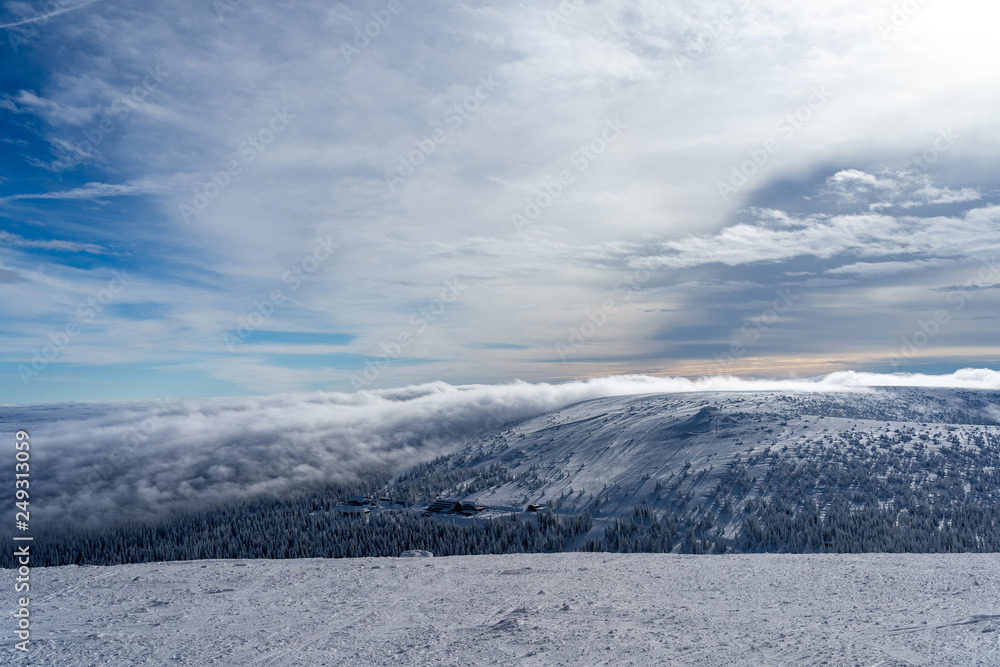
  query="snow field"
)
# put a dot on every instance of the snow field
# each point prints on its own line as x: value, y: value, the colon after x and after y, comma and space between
x: 539, y: 609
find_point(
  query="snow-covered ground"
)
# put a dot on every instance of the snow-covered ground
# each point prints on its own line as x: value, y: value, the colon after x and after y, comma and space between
x: 542, y: 609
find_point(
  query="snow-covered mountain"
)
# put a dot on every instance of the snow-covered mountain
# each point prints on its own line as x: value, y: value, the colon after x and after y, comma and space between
x: 871, y: 469
x: 675, y: 452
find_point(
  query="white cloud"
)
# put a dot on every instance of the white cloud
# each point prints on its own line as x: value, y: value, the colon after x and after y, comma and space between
x: 929, y: 194
x: 53, y: 112
x: 93, y: 191
x: 863, y: 269
x: 854, y: 177
x: 866, y: 235
x: 894, y: 189
x: 16, y: 241
x: 56, y: 11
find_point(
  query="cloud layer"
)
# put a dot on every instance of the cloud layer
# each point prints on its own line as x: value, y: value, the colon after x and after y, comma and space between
x: 93, y: 462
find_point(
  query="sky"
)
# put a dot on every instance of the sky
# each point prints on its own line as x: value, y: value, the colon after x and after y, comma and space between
x: 239, y: 198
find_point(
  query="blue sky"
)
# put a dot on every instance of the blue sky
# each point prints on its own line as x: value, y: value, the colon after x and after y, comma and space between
x: 239, y: 198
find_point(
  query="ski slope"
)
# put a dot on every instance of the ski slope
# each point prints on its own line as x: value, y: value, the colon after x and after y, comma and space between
x: 541, y: 609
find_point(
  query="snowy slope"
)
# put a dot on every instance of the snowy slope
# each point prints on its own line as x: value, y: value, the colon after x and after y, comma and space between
x: 552, y: 609
x: 655, y: 448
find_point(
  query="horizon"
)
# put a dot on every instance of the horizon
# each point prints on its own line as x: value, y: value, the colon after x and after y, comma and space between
x: 977, y: 379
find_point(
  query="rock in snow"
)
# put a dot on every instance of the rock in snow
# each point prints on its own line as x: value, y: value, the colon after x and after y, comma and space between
x: 593, y: 609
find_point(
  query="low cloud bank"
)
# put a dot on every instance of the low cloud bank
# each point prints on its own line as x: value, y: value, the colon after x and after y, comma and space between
x: 94, y: 463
